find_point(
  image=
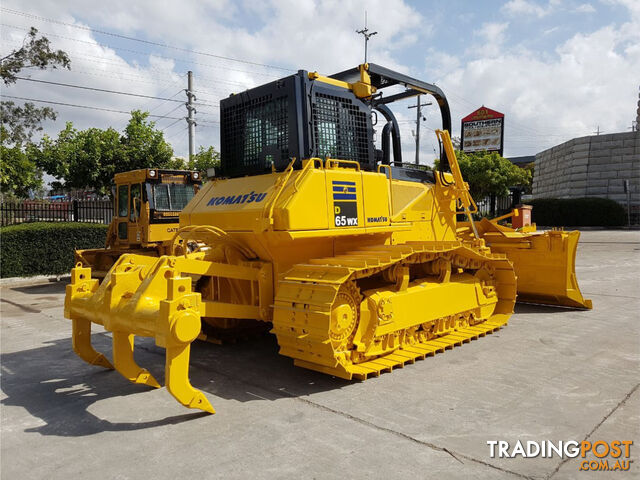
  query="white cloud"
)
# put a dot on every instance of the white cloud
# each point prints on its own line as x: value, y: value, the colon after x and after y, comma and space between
x: 492, y: 36
x: 525, y: 7
x: 585, y: 8
x: 633, y: 6
x: 313, y: 35
x: 591, y: 79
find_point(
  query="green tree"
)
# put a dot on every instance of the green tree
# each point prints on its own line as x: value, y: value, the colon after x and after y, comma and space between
x: 530, y: 167
x: 18, y: 172
x: 90, y: 158
x: 204, y: 159
x: 144, y: 145
x: 19, y: 123
x: 34, y: 53
x: 82, y: 158
x: 491, y: 174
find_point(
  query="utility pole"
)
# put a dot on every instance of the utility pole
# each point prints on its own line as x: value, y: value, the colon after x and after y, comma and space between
x: 598, y: 132
x: 365, y: 33
x: 418, y: 106
x: 191, y: 110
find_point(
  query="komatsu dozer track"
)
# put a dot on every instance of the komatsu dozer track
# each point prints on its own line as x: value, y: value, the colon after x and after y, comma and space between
x: 375, y: 309
x: 356, y: 262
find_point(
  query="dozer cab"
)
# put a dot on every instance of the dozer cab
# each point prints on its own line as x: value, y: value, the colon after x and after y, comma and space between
x: 355, y: 258
x: 146, y: 205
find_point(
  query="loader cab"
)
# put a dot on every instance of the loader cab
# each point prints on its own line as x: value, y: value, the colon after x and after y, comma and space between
x: 147, y: 203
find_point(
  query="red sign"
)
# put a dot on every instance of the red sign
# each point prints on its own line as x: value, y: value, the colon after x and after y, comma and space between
x: 483, y: 113
x: 483, y: 130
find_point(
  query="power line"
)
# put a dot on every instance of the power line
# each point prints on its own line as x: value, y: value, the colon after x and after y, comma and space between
x: 90, y: 107
x: 166, y: 115
x: 148, y: 42
x: 177, y: 59
x: 171, y: 124
x: 162, y: 103
x: 79, y: 106
x: 120, y: 76
x: 176, y: 133
x: 99, y: 89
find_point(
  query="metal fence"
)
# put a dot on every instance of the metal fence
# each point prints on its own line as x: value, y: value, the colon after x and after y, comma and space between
x: 502, y: 205
x: 90, y: 211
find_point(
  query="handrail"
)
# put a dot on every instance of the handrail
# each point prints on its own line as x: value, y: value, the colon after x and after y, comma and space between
x: 280, y: 184
x: 388, y: 167
x: 337, y: 161
x: 307, y: 166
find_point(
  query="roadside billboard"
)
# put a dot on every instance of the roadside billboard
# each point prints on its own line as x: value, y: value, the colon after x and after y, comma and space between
x: 483, y: 130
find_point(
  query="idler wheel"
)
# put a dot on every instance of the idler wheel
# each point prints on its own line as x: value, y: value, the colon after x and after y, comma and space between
x: 345, y: 314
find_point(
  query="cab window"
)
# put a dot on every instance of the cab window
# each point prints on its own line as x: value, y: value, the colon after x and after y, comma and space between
x: 180, y: 195
x: 172, y: 196
x: 123, y: 200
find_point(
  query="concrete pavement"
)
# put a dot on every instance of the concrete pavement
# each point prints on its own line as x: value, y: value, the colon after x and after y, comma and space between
x: 552, y: 374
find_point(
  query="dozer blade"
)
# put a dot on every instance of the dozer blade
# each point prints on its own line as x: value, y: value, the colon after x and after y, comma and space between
x: 142, y: 296
x: 544, y: 263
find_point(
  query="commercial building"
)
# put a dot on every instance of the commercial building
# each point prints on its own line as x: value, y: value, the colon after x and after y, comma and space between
x: 593, y: 166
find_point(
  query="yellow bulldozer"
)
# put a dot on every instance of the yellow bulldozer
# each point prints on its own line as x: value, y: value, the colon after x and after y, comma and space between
x: 355, y: 258
x: 146, y: 205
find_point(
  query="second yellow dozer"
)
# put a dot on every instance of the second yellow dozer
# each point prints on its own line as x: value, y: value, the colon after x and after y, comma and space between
x: 146, y: 204
x: 355, y: 259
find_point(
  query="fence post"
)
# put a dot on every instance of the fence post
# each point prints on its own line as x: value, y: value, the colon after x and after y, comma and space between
x: 75, y: 210
x: 516, y: 196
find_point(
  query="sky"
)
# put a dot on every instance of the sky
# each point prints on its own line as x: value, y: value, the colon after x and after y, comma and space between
x: 557, y: 69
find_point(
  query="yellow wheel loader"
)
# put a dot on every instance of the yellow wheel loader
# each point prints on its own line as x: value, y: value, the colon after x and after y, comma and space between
x: 354, y: 257
x: 146, y: 205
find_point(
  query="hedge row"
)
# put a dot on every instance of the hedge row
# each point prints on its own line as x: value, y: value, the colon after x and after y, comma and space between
x: 45, y: 248
x: 578, y: 212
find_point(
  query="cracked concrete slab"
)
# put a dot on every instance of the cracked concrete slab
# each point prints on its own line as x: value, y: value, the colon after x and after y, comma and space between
x: 621, y: 424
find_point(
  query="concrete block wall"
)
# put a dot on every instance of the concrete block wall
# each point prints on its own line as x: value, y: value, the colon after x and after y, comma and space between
x: 594, y: 166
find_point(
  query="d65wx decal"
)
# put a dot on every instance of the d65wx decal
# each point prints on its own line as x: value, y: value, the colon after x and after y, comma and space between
x: 345, y: 204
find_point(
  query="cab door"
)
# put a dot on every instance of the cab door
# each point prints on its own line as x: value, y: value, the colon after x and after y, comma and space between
x: 123, y: 214
x: 134, y: 229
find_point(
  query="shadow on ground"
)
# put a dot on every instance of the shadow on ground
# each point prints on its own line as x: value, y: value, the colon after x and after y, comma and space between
x: 51, y: 288
x: 545, y: 309
x: 55, y: 386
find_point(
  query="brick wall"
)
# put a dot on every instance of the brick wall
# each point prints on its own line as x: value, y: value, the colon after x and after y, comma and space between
x: 594, y: 166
